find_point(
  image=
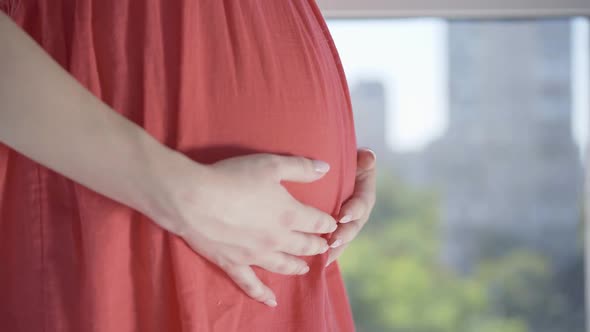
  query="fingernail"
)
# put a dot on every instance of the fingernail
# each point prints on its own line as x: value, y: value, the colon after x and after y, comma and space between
x: 321, y: 166
x: 271, y: 303
x: 336, y: 243
x: 334, y: 227
x: 325, y: 249
x: 346, y: 219
x: 371, y: 151
x: 304, y: 270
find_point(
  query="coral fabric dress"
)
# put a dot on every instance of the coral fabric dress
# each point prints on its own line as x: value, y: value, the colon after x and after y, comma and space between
x: 213, y: 79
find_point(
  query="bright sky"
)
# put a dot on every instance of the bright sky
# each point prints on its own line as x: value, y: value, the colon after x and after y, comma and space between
x: 410, y: 57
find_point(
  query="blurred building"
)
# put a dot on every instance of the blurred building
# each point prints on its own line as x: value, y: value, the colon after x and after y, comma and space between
x: 507, y: 169
x: 369, y: 109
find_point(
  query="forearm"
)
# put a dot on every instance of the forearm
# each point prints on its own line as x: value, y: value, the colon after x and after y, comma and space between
x: 48, y: 116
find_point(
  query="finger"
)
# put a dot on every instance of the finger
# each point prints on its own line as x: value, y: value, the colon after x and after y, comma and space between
x: 301, y: 244
x: 246, y: 279
x: 354, y: 208
x: 281, y: 263
x: 366, y: 159
x: 346, y: 233
x: 363, y: 197
x: 295, y: 168
x: 335, y: 253
x: 307, y: 219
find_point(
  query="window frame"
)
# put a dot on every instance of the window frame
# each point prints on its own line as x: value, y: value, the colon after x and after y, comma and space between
x: 453, y: 8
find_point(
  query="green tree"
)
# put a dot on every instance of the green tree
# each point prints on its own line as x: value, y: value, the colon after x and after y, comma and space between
x: 395, y: 281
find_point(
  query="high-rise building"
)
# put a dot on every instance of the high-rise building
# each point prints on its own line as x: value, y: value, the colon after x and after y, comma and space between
x: 508, y: 168
x: 369, y: 109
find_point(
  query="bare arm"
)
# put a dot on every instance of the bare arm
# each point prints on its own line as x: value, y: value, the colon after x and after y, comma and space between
x: 48, y: 116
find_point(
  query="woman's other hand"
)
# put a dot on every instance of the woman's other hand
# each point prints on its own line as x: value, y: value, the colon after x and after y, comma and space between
x: 356, y: 209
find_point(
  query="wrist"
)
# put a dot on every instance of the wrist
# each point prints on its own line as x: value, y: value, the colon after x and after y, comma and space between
x: 172, y: 180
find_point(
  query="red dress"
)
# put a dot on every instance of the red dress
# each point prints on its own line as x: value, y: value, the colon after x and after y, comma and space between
x: 210, y: 78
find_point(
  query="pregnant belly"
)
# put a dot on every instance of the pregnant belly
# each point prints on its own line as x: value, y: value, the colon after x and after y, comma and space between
x: 282, y: 92
x: 303, y: 128
x: 292, y: 104
x: 231, y: 78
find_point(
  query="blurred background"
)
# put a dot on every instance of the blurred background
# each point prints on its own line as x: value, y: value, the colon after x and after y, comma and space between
x: 480, y: 121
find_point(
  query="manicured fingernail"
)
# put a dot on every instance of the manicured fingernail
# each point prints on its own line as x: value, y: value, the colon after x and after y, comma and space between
x: 321, y: 166
x: 346, y: 219
x: 334, y: 227
x: 271, y: 303
x: 304, y: 270
x: 371, y: 151
x: 325, y: 249
x: 336, y: 243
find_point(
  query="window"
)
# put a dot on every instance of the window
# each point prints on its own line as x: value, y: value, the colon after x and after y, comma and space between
x: 479, y: 220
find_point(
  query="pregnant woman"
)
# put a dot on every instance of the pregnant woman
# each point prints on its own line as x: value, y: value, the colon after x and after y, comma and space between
x: 175, y: 165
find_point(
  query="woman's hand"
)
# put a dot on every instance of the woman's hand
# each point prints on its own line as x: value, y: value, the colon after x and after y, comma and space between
x: 358, y: 208
x: 236, y: 214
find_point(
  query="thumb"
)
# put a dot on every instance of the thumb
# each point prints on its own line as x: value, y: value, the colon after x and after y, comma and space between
x: 299, y: 169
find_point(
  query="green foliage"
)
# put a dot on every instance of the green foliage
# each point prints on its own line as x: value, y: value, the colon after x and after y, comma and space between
x: 509, y: 281
x: 396, y: 283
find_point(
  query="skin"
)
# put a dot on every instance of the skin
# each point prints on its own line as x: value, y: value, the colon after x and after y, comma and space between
x: 246, y: 232
x: 357, y: 209
x: 264, y: 225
